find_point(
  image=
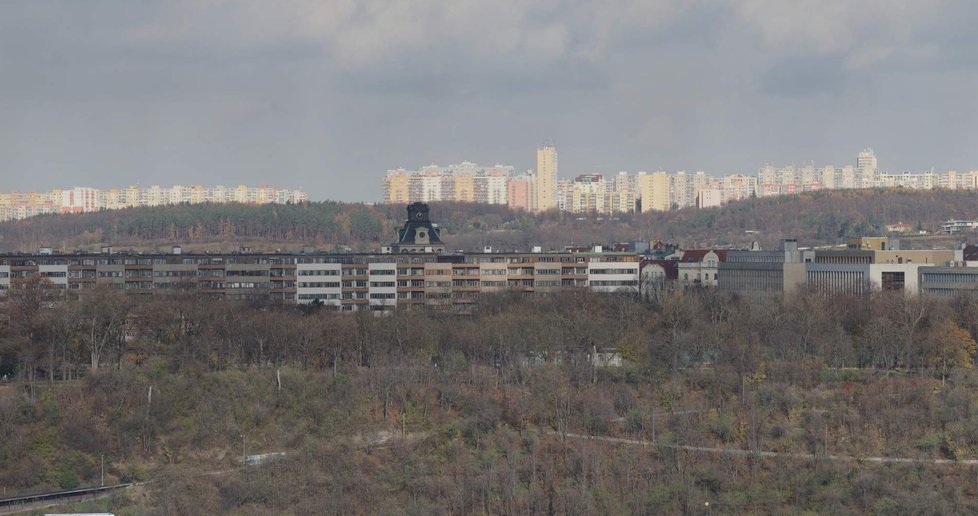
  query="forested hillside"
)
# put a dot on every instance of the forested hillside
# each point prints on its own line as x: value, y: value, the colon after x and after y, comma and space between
x: 435, y: 413
x: 814, y: 218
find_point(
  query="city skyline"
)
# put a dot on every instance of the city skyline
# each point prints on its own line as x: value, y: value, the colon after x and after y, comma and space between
x: 325, y: 95
x: 645, y: 190
x: 82, y: 199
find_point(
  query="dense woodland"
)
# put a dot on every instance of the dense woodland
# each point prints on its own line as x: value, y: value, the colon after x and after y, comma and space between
x: 438, y: 413
x: 817, y: 218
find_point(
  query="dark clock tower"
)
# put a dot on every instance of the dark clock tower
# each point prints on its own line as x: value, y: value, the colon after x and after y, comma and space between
x: 418, y: 235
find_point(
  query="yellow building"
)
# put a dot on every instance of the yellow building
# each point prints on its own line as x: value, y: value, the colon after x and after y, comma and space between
x: 867, y: 243
x: 396, y: 187
x: 465, y: 187
x: 546, y: 178
x: 588, y: 194
x: 653, y: 189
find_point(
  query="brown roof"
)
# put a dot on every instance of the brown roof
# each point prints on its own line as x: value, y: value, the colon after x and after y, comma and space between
x: 696, y: 255
x: 970, y: 253
x: 670, y: 266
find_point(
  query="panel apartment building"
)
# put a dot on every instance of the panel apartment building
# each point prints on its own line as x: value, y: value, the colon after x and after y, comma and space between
x: 15, y: 206
x: 415, y: 273
x: 345, y: 281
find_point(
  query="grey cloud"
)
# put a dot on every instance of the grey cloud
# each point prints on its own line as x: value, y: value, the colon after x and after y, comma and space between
x: 801, y: 77
x: 329, y: 94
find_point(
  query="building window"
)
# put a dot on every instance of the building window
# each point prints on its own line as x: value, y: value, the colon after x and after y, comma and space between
x: 893, y: 281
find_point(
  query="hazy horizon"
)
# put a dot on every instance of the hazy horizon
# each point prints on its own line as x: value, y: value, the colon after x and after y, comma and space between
x: 327, y: 96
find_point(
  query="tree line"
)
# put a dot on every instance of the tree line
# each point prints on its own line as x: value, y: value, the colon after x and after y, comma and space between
x: 826, y: 217
x: 478, y: 402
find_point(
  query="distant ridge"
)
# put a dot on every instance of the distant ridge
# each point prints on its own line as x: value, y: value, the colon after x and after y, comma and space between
x: 816, y: 218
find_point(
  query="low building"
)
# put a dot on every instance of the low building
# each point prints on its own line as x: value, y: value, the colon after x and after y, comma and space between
x: 698, y: 267
x: 657, y: 277
x: 947, y: 282
x: 958, y: 226
x: 763, y: 272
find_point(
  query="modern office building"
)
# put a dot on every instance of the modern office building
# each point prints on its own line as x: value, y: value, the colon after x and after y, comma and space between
x: 947, y: 282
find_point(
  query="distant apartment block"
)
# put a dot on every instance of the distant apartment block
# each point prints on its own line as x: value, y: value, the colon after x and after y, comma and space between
x: 14, y: 206
x: 866, y: 174
x: 461, y: 182
x: 643, y: 192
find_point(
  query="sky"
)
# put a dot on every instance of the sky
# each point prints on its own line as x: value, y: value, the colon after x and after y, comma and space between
x: 328, y: 95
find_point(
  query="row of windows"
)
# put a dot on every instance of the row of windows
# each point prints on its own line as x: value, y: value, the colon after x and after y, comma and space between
x: 547, y: 283
x: 321, y: 297
x: 319, y: 272
x: 622, y: 283
x: 319, y: 284
x: 613, y: 271
x: 292, y: 260
x: 230, y: 284
x: 950, y: 277
x: 262, y: 272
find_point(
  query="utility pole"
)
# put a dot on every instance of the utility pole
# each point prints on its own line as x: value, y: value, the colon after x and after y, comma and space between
x: 244, y: 454
x: 653, y: 426
x: 826, y: 439
x: 102, y: 457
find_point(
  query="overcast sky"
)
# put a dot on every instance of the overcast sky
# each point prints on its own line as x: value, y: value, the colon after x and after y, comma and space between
x: 328, y: 95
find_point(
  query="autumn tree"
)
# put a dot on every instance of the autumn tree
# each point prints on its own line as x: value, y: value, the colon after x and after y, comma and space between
x: 950, y: 346
x: 101, y: 315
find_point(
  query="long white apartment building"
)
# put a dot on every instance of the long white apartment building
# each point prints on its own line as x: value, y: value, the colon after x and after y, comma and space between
x: 15, y: 206
x: 375, y: 282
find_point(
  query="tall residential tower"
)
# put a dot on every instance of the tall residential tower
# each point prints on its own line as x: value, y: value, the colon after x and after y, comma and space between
x: 546, y: 178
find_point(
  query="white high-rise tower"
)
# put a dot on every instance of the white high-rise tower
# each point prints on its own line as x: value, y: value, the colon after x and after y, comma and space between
x: 867, y: 168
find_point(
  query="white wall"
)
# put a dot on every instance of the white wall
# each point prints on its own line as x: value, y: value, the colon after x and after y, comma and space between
x: 909, y: 270
x: 330, y: 273
x: 382, y: 295
x: 598, y: 280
